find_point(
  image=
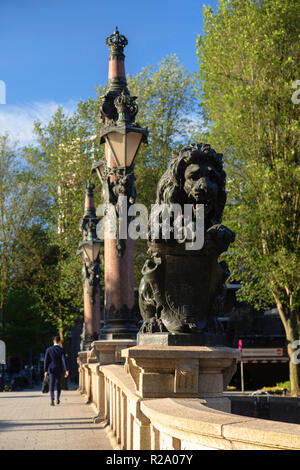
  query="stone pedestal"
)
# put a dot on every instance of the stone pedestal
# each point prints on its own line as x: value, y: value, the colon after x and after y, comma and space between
x: 174, y: 371
x: 109, y: 351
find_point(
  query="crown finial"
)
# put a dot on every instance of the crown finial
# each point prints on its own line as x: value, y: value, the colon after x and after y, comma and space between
x: 116, y: 42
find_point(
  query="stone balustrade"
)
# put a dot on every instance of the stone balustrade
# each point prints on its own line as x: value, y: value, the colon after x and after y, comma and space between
x: 139, y: 423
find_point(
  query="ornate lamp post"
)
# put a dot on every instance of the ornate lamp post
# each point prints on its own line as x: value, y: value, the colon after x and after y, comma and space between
x: 89, y: 249
x: 122, y: 138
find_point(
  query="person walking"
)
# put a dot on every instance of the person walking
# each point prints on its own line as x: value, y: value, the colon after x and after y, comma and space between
x: 55, y: 365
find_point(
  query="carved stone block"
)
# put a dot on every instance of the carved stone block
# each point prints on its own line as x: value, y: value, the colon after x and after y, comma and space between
x: 186, y: 376
x: 171, y: 371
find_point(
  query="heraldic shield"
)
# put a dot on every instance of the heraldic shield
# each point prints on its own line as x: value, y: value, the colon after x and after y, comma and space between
x: 181, y: 291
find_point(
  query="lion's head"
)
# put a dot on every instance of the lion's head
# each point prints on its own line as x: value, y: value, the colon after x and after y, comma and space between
x: 195, y: 175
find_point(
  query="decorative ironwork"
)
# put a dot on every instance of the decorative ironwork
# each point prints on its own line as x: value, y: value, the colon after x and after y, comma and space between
x: 91, y: 278
x: 86, y: 339
x: 122, y: 184
x: 126, y: 107
x: 90, y: 219
x: 119, y: 323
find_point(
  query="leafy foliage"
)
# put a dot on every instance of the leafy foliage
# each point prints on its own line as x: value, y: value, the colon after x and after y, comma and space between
x: 62, y: 163
x: 248, y: 60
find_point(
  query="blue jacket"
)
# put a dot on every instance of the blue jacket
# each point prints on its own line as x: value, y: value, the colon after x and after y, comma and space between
x: 55, y: 360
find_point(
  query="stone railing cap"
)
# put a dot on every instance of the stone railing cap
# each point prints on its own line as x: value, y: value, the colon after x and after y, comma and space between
x: 165, y: 352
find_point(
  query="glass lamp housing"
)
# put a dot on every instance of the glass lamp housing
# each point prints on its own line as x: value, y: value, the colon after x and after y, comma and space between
x: 91, y: 249
x: 123, y: 143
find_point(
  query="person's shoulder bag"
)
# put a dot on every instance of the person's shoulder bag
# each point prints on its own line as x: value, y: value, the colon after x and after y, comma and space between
x: 45, y: 385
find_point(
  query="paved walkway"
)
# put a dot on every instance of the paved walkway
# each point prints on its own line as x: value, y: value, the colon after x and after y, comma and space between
x: 28, y: 422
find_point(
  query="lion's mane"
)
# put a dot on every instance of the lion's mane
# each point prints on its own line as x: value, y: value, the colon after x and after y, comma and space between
x: 170, y: 186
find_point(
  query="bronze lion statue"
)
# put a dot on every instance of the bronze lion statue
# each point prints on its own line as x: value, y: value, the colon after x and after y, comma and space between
x: 182, y: 290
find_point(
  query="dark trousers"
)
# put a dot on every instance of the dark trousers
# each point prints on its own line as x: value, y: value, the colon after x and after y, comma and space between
x: 54, y: 382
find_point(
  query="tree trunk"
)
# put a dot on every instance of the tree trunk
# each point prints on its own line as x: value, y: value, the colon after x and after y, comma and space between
x: 64, y: 381
x: 2, y: 310
x: 294, y: 355
x: 294, y: 376
x: 2, y: 316
x: 291, y: 327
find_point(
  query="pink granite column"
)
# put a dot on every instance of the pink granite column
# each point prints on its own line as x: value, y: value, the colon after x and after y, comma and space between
x: 91, y: 293
x: 120, y: 317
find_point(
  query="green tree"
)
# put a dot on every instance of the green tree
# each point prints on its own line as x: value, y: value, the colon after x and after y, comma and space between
x: 18, y: 209
x: 249, y: 59
x: 22, y: 205
x: 62, y: 162
x: 26, y: 331
x: 7, y: 240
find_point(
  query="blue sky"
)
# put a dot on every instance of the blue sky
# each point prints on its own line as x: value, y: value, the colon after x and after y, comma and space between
x: 54, y: 53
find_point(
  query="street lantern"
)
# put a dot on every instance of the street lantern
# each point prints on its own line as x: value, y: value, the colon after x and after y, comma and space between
x: 123, y: 144
x: 124, y: 137
x: 89, y: 249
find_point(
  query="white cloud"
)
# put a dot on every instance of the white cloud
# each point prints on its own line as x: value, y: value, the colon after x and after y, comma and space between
x: 17, y: 120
